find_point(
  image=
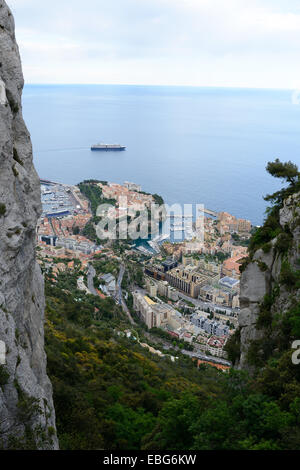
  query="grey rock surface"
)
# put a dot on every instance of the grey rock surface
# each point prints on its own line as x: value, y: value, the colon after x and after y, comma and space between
x: 26, y: 393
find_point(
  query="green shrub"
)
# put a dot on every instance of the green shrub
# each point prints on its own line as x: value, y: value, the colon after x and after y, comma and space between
x: 287, y: 276
x: 264, y: 319
x: 244, y: 263
x: 13, y: 105
x: 16, y: 156
x: 28, y: 407
x: 4, y: 375
x: 283, y: 243
x: 292, y: 319
x: 262, y: 266
x: 233, y: 347
x: 2, y: 209
x: 51, y: 431
x: 267, y: 247
x: 15, y: 172
x: 267, y: 232
x: 259, y: 351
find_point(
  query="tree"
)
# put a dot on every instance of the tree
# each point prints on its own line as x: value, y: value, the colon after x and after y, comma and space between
x: 271, y: 228
x: 287, y: 171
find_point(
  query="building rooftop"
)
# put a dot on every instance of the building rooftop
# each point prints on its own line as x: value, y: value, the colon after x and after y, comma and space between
x: 148, y: 300
x: 228, y: 281
x: 107, y: 278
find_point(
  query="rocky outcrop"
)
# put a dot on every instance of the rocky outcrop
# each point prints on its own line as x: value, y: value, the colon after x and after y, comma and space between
x: 266, y: 288
x: 27, y: 417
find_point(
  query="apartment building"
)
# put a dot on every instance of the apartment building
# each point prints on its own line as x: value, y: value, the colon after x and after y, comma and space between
x: 161, y: 288
x: 151, y: 313
x: 211, y: 327
x: 215, y: 346
x: 189, y: 279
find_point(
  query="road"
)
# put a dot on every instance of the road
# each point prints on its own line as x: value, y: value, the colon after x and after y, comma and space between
x: 119, y: 294
x: 90, y: 280
x: 204, y: 357
x: 204, y: 305
x: 197, y: 302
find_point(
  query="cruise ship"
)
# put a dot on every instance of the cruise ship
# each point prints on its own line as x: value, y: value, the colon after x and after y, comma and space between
x: 108, y: 147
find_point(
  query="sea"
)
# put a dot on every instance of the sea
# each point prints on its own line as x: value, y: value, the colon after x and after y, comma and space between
x: 190, y: 145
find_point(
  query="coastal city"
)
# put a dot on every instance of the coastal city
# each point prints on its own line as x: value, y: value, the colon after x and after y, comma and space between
x: 150, y: 242
x: 187, y: 290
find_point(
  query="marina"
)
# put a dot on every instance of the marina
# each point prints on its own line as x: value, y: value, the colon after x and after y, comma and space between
x: 57, y: 200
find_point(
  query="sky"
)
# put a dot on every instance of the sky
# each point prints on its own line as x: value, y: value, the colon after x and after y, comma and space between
x: 223, y: 43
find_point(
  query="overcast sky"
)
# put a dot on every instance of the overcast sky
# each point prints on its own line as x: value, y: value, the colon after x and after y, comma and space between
x: 237, y: 43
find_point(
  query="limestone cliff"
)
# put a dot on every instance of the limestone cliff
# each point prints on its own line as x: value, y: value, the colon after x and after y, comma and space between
x: 269, y: 289
x: 27, y: 417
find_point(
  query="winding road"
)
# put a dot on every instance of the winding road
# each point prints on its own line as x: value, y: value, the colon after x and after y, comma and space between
x: 119, y: 294
x: 90, y: 280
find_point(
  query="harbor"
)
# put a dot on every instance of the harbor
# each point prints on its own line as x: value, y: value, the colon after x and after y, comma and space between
x: 58, y: 200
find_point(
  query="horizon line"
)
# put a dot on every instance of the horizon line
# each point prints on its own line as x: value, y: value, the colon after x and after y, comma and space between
x: 162, y: 85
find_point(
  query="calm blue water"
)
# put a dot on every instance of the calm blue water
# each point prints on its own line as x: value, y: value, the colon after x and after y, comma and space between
x: 191, y: 145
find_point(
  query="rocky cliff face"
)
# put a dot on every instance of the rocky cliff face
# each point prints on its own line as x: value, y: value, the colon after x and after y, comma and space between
x: 269, y: 289
x: 27, y: 417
